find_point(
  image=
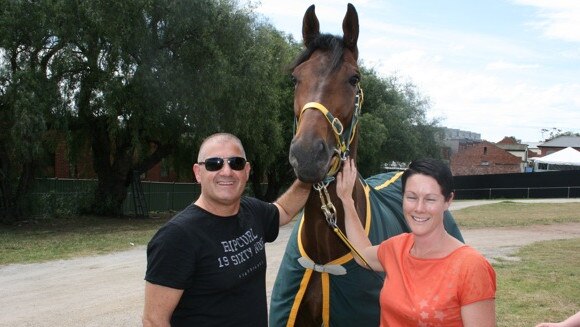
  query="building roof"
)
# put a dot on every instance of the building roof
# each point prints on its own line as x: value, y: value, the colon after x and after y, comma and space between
x: 508, y: 140
x: 562, y: 142
x: 509, y: 143
x: 487, y: 151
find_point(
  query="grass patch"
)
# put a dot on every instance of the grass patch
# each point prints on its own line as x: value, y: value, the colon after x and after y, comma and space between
x: 510, y: 214
x: 543, y: 286
x: 51, y: 239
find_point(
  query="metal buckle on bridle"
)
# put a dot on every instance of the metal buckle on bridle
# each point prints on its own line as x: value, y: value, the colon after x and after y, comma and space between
x: 327, y: 207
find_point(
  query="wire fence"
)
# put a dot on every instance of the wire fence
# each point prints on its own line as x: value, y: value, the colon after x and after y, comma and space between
x: 58, y: 196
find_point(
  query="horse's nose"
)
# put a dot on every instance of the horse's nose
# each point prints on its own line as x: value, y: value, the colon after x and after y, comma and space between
x: 310, y: 159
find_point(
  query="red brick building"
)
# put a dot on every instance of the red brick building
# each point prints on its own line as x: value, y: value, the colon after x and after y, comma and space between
x: 482, y: 159
x: 83, y: 167
x: 559, y: 143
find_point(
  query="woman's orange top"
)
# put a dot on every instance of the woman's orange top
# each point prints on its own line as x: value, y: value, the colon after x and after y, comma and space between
x: 431, y: 292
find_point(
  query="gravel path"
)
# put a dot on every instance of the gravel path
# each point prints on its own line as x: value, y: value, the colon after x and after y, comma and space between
x: 107, y: 290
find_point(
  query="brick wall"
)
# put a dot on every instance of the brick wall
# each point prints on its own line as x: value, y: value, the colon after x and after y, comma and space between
x: 83, y: 168
x: 482, y: 159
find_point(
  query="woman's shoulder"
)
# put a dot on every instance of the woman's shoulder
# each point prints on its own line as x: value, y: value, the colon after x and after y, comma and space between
x: 397, y: 242
x: 470, y: 259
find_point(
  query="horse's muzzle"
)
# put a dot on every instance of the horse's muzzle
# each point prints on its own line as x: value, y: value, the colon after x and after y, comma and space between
x: 311, y: 160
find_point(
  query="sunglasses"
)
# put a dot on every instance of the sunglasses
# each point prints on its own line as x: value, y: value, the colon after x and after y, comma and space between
x: 215, y: 164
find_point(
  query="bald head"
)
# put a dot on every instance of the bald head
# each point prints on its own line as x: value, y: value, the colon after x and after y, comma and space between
x: 219, y: 138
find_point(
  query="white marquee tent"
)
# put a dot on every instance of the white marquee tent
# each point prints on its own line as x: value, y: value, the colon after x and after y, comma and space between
x: 565, y: 159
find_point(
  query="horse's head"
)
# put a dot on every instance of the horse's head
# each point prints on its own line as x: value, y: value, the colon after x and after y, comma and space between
x: 327, y: 92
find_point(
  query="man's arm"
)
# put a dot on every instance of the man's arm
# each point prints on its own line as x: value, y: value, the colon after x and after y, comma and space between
x: 160, y: 301
x: 290, y: 203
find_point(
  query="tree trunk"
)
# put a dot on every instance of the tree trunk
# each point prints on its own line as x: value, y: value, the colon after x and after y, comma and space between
x: 12, y: 202
x: 113, y: 170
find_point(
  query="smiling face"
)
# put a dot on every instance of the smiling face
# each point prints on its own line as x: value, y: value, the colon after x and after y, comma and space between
x: 221, y: 190
x: 424, y: 204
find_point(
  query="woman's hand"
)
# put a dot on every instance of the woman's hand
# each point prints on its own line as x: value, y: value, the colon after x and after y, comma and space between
x: 345, y: 180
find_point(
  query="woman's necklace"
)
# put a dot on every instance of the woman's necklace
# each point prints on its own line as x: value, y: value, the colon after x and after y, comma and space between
x: 429, y: 254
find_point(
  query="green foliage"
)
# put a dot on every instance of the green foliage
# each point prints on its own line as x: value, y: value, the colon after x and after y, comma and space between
x: 28, y: 98
x: 135, y: 82
x: 140, y: 80
x: 394, y: 126
x: 62, y: 205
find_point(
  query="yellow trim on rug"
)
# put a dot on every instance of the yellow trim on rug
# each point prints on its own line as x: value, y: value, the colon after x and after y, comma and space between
x: 298, y: 298
x: 366, y: 188
x: 299, y: 236
x: 325, y: 299
x: 390, y: 181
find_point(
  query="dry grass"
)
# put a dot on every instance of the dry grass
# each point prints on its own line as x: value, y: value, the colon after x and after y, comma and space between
x: 510, y: 214
x: 543, y: 286
x: 51, y: 239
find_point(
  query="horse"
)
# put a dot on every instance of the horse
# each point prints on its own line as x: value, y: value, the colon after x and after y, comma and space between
x: 318, y: 282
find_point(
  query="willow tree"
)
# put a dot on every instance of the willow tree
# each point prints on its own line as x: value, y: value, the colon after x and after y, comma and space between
x: 29, y: 99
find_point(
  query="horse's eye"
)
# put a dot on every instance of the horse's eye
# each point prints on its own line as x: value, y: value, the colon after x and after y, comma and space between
x: 354, y: 80
x: 294, y: 80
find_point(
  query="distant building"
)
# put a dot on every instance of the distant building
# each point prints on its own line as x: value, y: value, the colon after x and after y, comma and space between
x: 559, y: 143
x: 82, y: 167
x: 533, y: 150
x: 514, y: 147
x: 484, y: 158
x: 454, y: 139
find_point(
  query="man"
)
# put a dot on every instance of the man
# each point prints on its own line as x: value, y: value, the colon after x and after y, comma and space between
x: 207, y: 265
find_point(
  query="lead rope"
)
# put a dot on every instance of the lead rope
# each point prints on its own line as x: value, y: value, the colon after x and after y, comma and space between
x: 329, y: 211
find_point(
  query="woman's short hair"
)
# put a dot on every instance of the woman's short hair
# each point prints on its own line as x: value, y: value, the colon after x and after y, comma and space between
x: 433, y: 168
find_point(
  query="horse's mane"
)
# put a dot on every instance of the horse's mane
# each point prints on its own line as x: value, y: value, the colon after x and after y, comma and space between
x: 325, y: 42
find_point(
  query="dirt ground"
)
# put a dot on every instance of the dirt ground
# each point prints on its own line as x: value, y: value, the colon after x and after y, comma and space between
x: 107, y: 290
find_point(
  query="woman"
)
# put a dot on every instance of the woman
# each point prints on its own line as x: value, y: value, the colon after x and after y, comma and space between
x: 432, y: 279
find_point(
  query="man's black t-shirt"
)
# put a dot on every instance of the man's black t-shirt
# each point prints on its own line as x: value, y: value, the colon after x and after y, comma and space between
x: 219, y: 262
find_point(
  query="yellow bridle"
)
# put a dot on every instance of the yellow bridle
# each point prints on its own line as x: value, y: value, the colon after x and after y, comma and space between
x: 338, y: 128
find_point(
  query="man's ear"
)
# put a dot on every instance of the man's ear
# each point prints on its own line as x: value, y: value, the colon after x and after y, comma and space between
x: 247, y: 169
x: 195, y: 168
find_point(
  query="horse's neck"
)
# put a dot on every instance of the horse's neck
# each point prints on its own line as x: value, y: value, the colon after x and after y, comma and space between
x: 318, y: 239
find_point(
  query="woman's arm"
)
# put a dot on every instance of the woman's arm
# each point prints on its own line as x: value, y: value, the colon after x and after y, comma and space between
x: 572, y: 321
x: 479, y: 314
x: 354, y: 230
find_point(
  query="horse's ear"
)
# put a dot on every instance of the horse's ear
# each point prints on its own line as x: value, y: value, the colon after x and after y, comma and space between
x: 310, y: 26
x: 350, y: 29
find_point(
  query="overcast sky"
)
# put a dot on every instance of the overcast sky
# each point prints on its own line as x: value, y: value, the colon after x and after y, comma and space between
x: 494, y: 67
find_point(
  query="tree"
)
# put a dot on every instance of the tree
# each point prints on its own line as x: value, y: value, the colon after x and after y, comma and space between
x: 144, y: 79
x: 151, y: 76
x: 28, y: 99
x: 556, y: 132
